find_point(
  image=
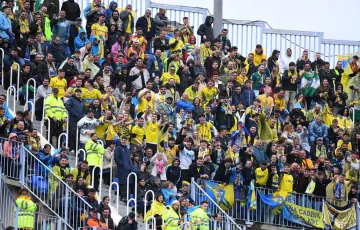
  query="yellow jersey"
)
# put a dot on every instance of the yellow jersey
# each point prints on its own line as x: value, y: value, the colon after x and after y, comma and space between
x: 138, y: 133
x: 143, y: 104
x: 209, y: 94
x: 60, y: 84
x: 152, y: 132
x: 266, y: 102
x: 99, y: 30
x: 167, y: 76
x: 204, y: 131
x: 261, y: 176
x: 89, y: 96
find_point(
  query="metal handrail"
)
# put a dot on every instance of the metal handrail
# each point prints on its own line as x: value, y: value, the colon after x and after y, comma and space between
x: 93, y: 178
x: 27, y: 97
x: 2, y: 66
x: 153, y: 198
x: 128, y: 193
x: 77, y: 155
x: 77, y: 138
x: 117, y: 194
x: 26, y: 107
x: 153, y: 222
x: 214, y: 203
x: 353, y: 113
x: 100, y: 142
x: 8, y: 92
x: 18, y: 77
x: 42, y: 125
x: 59, y: 138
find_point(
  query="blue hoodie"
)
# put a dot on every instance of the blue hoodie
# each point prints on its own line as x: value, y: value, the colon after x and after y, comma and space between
x: 5, y: 26
x: 80, y: 43
x: 61, y: 29
x: 109, y: 11
x: 95, y: 48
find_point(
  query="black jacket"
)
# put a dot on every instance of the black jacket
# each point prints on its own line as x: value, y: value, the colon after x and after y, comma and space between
x: 110, y: 224
x: 248, y: 174
x: 173, y: 173
x: 124, y: 225
x: 320, y: 187
x: 206, y: 29
x: 317, y: 63
x: 158, y: 44
x: 296, y: 115
x: 72, y: 10
x: 194, y: 172
x: 330, y: 76
x: 91, y: 18
x: 58, y: 52
x: 142, y: 22
x: 286, y: 82
x: 75, y: 108
x: 70, y: 71
x: 223, y: 174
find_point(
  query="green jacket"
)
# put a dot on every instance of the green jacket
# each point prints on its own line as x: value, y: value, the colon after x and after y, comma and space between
x: 27, y: 210
x: 171, y: 219
x: 94, y: 152
x: 199, y: 220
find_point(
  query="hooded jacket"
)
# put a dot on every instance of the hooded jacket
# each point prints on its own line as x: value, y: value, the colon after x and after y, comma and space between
x: 173, y: 173
x: 5, y: 26
x: 206, y: 29
x: 109, y: 11
x: 80, y: 42
x: 75, y: 108
x: 72, y: 10
x: 259, y: 57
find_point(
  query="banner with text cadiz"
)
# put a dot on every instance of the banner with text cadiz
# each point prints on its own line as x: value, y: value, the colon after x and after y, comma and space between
x: 339, y: 218
x: 305, y: 216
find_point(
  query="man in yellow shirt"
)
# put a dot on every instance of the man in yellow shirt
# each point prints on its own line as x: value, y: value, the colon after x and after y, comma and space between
x: 145, y: 101
x: 261, y: 175
x: 138, y: 138
x: 167, y: 76
x: 266, y: 101
x: 128, y: 20
x: 89, y: 94
x: 24, y: 24
x: 152, y: 131
x: 210, y: 92
x: 100, y: 31
x: 59, y: 82
x: 204, y: 129
x: 205, y: 50
x: 175, y: 43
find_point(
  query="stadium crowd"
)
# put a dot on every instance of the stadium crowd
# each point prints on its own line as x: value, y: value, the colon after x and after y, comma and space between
x: 170, y: 110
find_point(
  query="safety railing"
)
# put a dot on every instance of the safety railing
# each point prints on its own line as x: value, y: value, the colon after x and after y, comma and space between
x: 48, y: 128
x: 9, y: 91
x: 11, y: 151
x: 201, y: 195
x: 152, y: 201
x: 129, y: 198
x: 117, y: 194
x: 93, y: 177
x: 17, y: 78
x: 48, y: 186
x: 151, y: 224
x: 2, y: 66
x: 44, y: 221
x: 77, y: 155
x: 27, y: 99
x: 65, y: 134
x: 9, y: 209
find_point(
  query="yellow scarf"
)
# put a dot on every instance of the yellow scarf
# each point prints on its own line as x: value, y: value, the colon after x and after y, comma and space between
x: 27, y: 198
x: 149, y: 24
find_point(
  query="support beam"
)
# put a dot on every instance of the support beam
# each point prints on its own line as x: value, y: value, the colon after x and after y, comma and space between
x: 218, y: 16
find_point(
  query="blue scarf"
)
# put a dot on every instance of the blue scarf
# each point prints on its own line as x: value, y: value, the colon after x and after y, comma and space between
x: 339, y: 192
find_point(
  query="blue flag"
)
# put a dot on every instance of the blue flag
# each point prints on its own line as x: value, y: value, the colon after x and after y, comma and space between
x: 271, y: 200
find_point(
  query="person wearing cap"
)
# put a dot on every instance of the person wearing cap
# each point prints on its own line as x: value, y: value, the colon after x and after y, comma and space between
x: 27, y: 209
x: 128, y: 20
x: 86, y: 126
x: 55, y: 110
x: 94, y: 221
x: 74, y: 32
x: 171, y: 216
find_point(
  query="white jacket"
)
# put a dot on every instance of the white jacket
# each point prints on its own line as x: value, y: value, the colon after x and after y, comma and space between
x: 153, y: 164
x: 138, y: 83
x: 284, y: 62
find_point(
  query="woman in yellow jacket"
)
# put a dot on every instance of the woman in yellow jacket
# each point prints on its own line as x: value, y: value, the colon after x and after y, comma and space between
x: 156, y: 210
x: 171, y: 217
x: 259, y: 55
x: 27, y: 209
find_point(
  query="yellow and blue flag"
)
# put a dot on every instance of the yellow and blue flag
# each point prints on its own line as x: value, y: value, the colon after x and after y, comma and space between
x: 252, y: 194
x: 223, y: 195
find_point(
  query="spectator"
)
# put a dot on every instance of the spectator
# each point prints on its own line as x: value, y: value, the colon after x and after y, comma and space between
x: 205, y: 31
x: 128, y: 222
x: 72, y: 10
x: 106, y: 219
x: 27, y: 209
x: 94, y: 152
x: 161, y: 20
x: 93, y: 221
x: 148, y: 26
x: 128, y: 20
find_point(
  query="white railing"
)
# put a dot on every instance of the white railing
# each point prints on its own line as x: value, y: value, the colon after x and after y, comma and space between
x: 52, y: 191
x: 77, y: 155
x: 27, y: 98
x: 117, y: 194
x: 10, y: 210
x: 48, y: 128
x: 18, y: 78
x: 153, y: 222
x: 2, y: 66
x: 100, y: 142
x: 145, y: 201
x: 198, y: 191
x: 93, y: 177
x: 8, y: 94
x: 134, y: 199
